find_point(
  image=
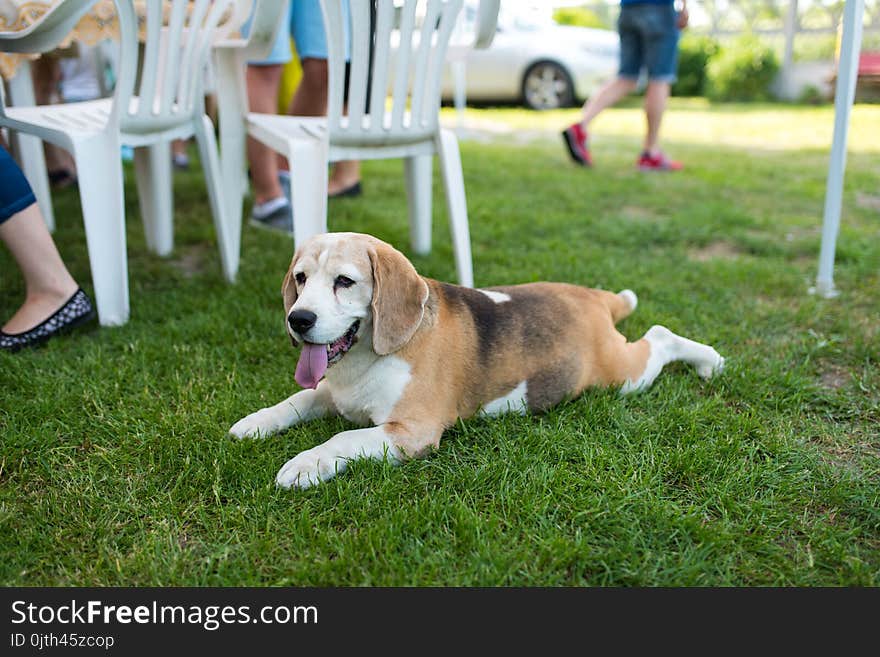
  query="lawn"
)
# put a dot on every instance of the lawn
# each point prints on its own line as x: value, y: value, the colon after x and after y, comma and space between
x: 116, y: 468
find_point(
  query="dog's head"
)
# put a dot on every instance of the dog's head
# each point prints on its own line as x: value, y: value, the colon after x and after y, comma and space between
x: 346, y: 291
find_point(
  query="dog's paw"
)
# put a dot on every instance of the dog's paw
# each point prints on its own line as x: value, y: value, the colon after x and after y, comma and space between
x: 307, y: 469
x: 711, y: 367
x: 255, y: 425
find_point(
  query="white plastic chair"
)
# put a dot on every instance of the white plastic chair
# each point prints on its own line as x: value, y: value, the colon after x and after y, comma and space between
x: 408, y: 127
x: 167, y: 104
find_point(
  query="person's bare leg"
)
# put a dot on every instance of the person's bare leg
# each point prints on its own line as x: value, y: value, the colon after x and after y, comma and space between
x: 310, y: 99
x: 59, y: 161
x: 611, y: 92
x: 262, y: 90
x: 655, y: 103
x: 345, y: 173
x: 310, y: 96
x: 48, y: 284
x: 179, y: 153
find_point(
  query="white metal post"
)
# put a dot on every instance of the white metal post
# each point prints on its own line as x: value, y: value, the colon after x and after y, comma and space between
x: 844, y: 94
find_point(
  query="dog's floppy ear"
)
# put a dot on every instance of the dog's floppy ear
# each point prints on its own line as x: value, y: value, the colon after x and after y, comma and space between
x: 288, y: 291
x: 399, y: 297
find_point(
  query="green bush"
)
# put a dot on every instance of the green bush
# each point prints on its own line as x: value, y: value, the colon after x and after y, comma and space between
x: 579, y: 16
x: 694, y: 53
x: 742, y: 70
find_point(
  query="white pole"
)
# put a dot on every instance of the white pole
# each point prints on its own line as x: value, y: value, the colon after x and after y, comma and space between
x: 844, y: 94
x: 786, y: 88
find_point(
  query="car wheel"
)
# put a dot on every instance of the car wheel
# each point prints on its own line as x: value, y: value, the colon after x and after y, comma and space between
x: 547, y: 85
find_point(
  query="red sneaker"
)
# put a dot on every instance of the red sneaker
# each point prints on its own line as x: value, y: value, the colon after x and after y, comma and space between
x: 575, y: 137
x: 658, y: 162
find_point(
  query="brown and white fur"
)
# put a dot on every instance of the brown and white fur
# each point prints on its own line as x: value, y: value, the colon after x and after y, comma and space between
x: 426, y: 353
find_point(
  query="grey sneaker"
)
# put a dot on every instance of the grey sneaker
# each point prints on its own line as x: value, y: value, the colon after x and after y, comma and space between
x: 280, y: 219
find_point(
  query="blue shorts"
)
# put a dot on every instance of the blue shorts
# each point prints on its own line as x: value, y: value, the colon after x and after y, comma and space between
x: 306, y: 26
x: 15, y: 191
x: 649, y: 40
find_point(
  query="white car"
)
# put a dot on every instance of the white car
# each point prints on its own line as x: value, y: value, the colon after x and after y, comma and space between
x: 537, y: 62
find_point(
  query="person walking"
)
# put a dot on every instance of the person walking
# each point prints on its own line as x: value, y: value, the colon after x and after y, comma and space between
x: 649, y: 32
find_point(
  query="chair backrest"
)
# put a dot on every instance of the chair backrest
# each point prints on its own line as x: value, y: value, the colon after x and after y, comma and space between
x: 407, y: 59
x: 177, y: 41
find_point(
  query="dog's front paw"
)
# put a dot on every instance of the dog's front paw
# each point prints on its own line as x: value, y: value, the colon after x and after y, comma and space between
x: 712, y: 366
x: 256, y: 425
x: 308, y: 469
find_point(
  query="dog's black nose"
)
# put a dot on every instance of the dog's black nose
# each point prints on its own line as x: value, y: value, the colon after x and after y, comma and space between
x: 302, y: 320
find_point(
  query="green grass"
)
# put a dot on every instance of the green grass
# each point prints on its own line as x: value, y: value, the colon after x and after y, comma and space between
x: 116, y: 468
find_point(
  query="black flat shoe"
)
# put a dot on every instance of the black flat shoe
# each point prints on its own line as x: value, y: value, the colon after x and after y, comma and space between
x: 76, y: 311
x: 351, y: 190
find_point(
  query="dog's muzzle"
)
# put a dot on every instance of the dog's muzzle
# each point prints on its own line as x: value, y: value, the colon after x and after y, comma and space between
x: 314, y: 359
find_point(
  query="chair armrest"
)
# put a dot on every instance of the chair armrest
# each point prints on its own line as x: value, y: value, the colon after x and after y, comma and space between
x: 47, y: 33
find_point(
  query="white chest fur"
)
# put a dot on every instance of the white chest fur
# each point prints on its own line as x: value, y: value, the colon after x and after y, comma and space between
x: 365, y: 388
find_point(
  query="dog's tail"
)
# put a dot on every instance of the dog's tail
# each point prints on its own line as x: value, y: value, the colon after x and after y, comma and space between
x: 621, y: 304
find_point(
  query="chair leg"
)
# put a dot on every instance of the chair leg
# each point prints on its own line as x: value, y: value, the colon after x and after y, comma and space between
x: 231, y: 107
x: 453, y: 183
x: 226, y: 223
x: 30, y: 148
x: 418, y: 172
x: 152, y: 165
x: 33, y: 164
x: 308, y: 187
x: 101, y: 194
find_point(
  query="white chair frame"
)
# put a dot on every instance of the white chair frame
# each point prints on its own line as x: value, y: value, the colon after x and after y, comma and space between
x: 407, y: 128
x: 169, y: 104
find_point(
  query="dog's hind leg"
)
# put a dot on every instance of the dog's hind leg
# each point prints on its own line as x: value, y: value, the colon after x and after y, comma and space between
x: 664, y: 347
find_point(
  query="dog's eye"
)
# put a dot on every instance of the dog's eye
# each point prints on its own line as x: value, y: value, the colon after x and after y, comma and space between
x: 301, y: 278
x: 343, y: 281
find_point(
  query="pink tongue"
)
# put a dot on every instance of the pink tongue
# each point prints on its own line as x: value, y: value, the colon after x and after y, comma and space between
x: 312, y: 365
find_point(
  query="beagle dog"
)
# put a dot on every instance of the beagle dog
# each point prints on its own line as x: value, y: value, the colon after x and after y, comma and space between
x: 407, y: 356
